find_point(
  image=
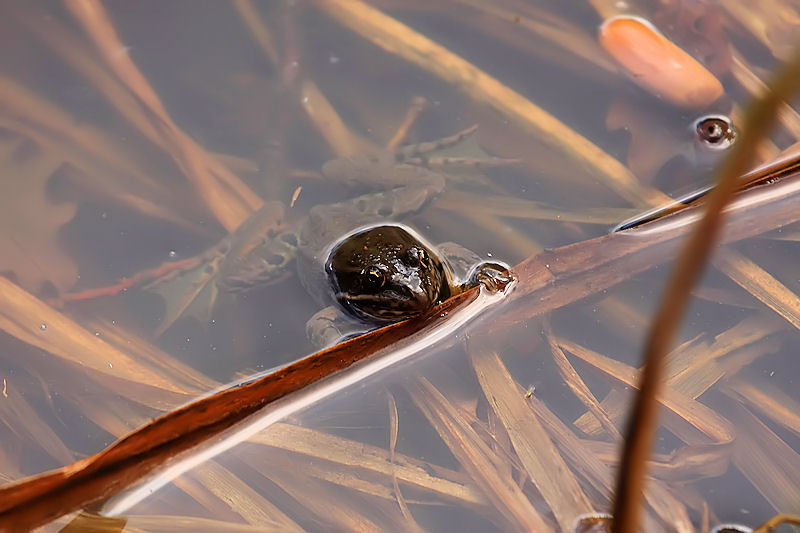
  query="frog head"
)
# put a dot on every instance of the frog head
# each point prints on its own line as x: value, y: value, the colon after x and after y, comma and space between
x: 386, y: 274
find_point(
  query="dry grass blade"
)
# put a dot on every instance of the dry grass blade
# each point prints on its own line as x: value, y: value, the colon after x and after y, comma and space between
x: 201, y: 493
x: 761, y: 395
x: 789, y: 118
x: 326, y: 505
x: 540, y: 458
x: 766, y: 460
x: 183, y: 376
x: 412, y: 46
x: 562, y: 41
x: 770, y: 525
x: 512, y: 207
x: 85, y: 522
x: 709, y: 371
x: 351, y: 454
x: 579, y: 388
x: 694, y: 255
x: 30, y: 320
x: 771, y: 22
x: 328, y: 122
x: 394, y: 428
x: 693, y: 369
x: 79, y: 55
x: 115, y: 186
x: 313, y: 101
x: 247, y: 11
x: 172, y: 523
x: 245, y: 501
x: 575, y: 450
x: 14, y: 408
x: 477, y: 458
x: 229, y: 199
x: 365, y: 483
x: 698, y: 415
x: 684, y: 465
x: 87, y: 147
x: 760, y: 284
x: 418, y: 105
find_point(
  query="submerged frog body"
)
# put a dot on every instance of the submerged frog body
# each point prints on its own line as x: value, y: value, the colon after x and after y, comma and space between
x: 354, y: 258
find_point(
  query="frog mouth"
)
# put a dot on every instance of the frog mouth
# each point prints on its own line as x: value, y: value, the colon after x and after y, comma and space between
x: 390, y: 306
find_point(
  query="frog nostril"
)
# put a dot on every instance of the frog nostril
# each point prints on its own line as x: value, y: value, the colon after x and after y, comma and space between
x: 412, y: 257
x: 416, y: 257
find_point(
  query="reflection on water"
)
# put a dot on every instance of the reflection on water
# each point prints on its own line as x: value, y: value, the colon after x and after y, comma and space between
x: 132, y: 145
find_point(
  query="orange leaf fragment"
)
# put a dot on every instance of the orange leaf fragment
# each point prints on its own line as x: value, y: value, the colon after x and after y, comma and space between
x: 657, y: 64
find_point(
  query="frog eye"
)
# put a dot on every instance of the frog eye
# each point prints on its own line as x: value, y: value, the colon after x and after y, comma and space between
x: 373, y: 277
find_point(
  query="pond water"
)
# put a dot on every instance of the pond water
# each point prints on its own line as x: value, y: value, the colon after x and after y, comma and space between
x: 136, y: 136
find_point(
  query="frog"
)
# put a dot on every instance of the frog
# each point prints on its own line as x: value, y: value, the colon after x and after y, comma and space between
x: 356, y: 257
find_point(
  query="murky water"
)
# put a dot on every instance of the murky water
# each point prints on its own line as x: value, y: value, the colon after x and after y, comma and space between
x: 147, y: 133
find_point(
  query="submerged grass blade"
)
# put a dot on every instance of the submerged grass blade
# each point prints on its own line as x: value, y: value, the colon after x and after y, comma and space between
x: 227, y: 197
x: 540, y: 458
x: 394, y: 428
x: 766, y: 460
x: 477, y: 458
x: 399, y: 39
x: 30, y: 320
x: 328, y: 506
x: 694, y: 369
x: 761, y: 284
x: 513, y: 207
x: 579, y: 388
x: 242, y: 498
x: 24, y: 422
x: 764, y: 397
x: 350, y: 454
